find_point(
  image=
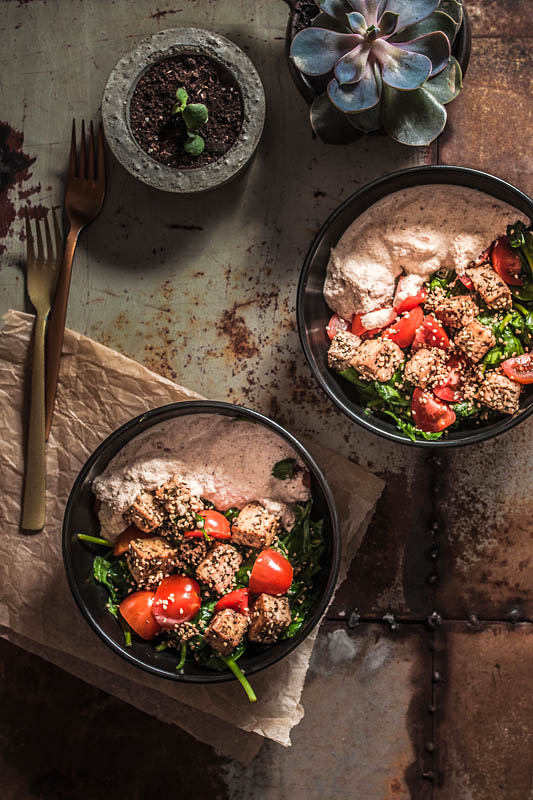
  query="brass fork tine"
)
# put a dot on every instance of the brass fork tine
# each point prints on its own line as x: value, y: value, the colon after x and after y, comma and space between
x: 29, y: 239
x: 57, y: 236
x: 72, y: 163
x: 83, y: 153
x: 91, y: 169
x: 40, y: 248
x: 48, y: 239
x: 100, y: 172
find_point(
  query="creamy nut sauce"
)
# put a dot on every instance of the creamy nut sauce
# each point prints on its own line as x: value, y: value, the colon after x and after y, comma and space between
x: 416, y: 231
x: 226, y: 461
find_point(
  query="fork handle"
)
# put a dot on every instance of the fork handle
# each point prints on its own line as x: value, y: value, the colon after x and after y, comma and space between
x: 56, y: 325
x: 33, y: 504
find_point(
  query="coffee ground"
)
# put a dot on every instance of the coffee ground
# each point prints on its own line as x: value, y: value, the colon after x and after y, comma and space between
x: 162, y: 134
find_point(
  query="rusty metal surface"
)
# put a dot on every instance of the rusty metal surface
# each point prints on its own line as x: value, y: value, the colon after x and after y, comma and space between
x: 484, y: 741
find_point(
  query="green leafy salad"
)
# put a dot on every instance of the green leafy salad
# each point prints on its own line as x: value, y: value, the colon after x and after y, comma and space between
x: 453, y: 355
x: 210, y: 591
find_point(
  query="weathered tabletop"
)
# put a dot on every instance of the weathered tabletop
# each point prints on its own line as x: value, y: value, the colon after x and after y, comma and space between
x: 433, y: 703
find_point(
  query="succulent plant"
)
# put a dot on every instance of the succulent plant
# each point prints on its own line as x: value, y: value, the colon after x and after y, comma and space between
x: 388, y: 64
x: 194, y: 116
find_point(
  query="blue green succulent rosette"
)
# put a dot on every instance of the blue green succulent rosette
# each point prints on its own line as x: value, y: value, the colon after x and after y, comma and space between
x: 389, y: 64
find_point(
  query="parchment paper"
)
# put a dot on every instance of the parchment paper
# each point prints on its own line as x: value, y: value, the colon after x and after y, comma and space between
x: 99, y: 389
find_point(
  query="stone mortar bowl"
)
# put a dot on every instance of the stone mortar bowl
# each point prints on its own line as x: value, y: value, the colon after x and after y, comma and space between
x: 121, y: 85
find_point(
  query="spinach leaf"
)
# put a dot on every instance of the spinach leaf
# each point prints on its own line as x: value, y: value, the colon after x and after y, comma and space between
x: 115, y: 576
x: 442, y: 280
x: 465, y: 410
x: 284, y: 469
x: 231, y: 514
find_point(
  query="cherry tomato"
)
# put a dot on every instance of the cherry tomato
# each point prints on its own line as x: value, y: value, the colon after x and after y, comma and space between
x: 506, y: 262
x: 237, y: 600
x: 403, y: 330
x: 122, y: 542
x: 519, y: 368
x: 466, y: 281
x: 271, y: 573
x: 177, y: 599
x: 429, y: 414
x: 136, y: 609
x: 431, y: 334
x: 215, y: 525
x: 336, y: 324
x: 359, y: 329
x: 414, y: 300
x: 450, y: 389
x: 361, y: 322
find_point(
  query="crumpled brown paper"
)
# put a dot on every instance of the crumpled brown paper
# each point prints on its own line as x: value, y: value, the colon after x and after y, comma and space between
x: 99, y: 389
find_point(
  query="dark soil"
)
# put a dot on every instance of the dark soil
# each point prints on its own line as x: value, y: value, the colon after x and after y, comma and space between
x: 161, y: 134
x: 304, y: 12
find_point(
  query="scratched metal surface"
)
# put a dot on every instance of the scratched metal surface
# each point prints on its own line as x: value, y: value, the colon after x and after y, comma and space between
x: 202, y: 290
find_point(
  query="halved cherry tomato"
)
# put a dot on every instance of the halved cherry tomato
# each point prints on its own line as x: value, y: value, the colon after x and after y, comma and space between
x: 336, y: 324
x: 236, y: 600
x: 122, y: 542
x: 215, y: 525
x: 412, y: 301
x: 466, y: 281
x: 450, y: 389
x: 402, y: 331
x: 360, y: 322
x: 519, y: 368
x: 177, y: 599
x: 271, y: 573
x: 506, y: 262
x: 359, y: 329
x: 431, y: 334
x: 136, y: 609
x: 429, y: 414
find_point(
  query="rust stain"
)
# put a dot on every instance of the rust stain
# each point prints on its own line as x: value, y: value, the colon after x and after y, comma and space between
x: 158, y: 15
x: 14, y: 169
x: 233, y: 325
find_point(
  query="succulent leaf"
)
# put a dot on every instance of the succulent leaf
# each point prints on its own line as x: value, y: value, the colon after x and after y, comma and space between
x: 412, y: 11
x: 194, y: 115
x: 368, y: 8
x: 413, y: 118
x: 335, y: 8
x: 350, y: 68
x: 357, y: 22
x: 454, y: 9
x: 315, y: 51
x: 357, y: 96
x: 435, y: 46
x: 447, y: 84
x: 194, y: 145
x: 388, y: 23
x: 436, y: 22
x: 323, y: 21
x: 331, y: 125
x: 366, y: 121
x: 401, y: 69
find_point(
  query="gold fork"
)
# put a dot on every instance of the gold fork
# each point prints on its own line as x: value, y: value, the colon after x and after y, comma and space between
x: 41, y: 274
x: 84, y: 197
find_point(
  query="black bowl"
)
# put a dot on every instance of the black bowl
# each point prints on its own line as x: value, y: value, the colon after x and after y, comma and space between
x: 313, y: 312
x: 91, y: 597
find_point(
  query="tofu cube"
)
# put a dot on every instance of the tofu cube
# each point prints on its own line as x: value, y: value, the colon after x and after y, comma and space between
x: 342, y: 350
x: 271, y: 616
x: 150, y: 560
x: 179, y: 504
x: 218, y: 568
x: 475, y: 340
x: 255, y: 526
x: 457, y: 311
x: 191, y: 552
x: 226, y: 630
x: 377, y: 359
x: 426, y: 368
x: 490, y: 286
x: 145, y: 513
x: 499, y: 393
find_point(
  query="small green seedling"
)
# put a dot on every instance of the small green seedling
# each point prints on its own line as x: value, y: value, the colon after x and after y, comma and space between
x: 194, y: 116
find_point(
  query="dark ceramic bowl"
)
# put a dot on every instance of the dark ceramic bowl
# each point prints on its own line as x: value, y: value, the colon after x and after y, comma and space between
x: 313, y: 312
x: 310, y: 88
x: 91, y: 597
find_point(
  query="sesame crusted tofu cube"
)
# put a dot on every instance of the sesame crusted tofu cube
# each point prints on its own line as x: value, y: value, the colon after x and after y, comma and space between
x: 499, y: 393
x: 475, y: 340
x: 191, y: 552
x: 490, y: 286
x: 218, y: 568
x: 377, y: 359
x: 255, y: 526
x: 145, y: 513
x: 457, y: 311
x: 342, y: 349
x: 226, y: 631
x: 180, y: 505
x: 150, y: 560
x: 270, y: 617
x: 426, y: 368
